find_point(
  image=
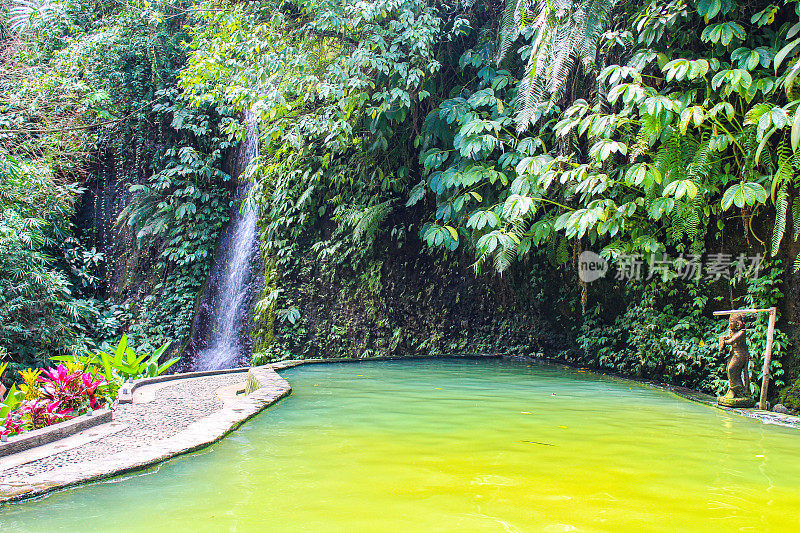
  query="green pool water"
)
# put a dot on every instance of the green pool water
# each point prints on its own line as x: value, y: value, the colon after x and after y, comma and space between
x: 446, y: 445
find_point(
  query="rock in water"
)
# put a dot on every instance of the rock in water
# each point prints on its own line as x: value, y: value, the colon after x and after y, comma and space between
x: 782, y: 409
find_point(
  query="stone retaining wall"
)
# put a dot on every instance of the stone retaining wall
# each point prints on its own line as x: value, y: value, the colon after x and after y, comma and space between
x: 46, y: 435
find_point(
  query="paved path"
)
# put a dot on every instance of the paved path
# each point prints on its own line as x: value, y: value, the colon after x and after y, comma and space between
x: 165, y: 420
x: 176, y: 405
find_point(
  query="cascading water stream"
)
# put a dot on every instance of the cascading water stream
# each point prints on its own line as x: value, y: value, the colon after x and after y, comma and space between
x: 221, y: 339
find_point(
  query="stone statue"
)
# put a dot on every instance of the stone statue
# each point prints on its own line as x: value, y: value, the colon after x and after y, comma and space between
x: 738, y: 394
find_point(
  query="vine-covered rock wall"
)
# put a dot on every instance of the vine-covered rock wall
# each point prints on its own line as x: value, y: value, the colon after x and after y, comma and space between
x: 406, y: 302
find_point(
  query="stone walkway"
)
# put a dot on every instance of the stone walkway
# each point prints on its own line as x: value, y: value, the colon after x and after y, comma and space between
x: 168, y: 419
x: 175, y: 407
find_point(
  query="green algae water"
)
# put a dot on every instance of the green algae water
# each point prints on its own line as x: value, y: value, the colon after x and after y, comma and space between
x: 450, y: 445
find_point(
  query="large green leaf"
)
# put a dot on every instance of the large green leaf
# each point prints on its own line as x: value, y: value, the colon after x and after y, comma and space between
x: 743, y: 194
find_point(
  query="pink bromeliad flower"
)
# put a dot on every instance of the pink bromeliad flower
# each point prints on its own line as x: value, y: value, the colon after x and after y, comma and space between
x: 59, y: 385
x: 43, y: 412
x: 12, y: 425
x: 90, y: 388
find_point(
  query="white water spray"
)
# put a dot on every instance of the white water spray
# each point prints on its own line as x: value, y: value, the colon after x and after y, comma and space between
x: 231, y: 310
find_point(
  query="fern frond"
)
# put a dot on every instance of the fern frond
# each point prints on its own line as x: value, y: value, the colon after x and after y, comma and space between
x: 509, y: 28
x: 504, y: 257
x: 642, y: 143
x: 796, y: 218
x: 678, y: 227
x: 700, y: 166
x: 561, y: 251
x: 367, y: 221
x: 669, y: 159
x: 781, y: 207
x: 692, y: 224
x: 565, y: 33
x: 687, y: 221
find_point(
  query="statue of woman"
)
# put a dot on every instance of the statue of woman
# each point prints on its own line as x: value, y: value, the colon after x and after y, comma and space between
x: 738, y: 394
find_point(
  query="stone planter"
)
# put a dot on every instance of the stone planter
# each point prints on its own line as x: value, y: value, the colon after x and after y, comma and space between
x: 46, y: 435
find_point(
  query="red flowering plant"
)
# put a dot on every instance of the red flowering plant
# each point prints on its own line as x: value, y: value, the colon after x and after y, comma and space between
x: 94, y: 389
x: 61, y: 386
x: 72, y: 388
x: 35, y: 414
x: 62, y: 393
x: 12, y: 424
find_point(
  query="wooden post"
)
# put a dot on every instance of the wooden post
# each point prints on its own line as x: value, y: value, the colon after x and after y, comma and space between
x: 742, y: 311
x: 762, y: 404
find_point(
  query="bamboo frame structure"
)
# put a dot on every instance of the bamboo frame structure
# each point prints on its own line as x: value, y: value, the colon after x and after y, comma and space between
x: 762, y: 404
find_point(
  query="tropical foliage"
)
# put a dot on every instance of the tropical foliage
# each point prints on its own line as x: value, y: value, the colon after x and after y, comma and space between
x: 50, y: 396
x: 413, y: 136
x: 111, y: 188
x: 38, y: 309
x: 76, y: 385
x: 539, y: 130
x: 122, y: 364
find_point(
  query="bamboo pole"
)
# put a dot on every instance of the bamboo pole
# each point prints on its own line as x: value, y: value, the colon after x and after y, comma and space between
x: 743, y: 311
x: 762, y: 404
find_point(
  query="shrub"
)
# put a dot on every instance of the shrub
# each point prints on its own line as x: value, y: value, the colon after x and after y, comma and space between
x: 50, y: 396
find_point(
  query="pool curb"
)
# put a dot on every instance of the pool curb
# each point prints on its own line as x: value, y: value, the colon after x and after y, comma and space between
x: 767, y: 417
x: 127, y: 390
x: 267, y: 388
x: 52, y: 433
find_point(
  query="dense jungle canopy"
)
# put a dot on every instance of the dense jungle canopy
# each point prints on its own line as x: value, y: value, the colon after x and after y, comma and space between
x: 429, y: 173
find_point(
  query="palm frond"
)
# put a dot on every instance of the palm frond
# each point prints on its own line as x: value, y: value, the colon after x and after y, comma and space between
x: 564, y: 33
x: 21, y: 13
x: 509, y: 27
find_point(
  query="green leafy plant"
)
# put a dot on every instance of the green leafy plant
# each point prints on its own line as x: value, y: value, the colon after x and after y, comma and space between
x: 123, y: 364
x: 14, y: 397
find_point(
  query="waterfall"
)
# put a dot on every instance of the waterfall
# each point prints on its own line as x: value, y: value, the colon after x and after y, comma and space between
x: 222, y: 326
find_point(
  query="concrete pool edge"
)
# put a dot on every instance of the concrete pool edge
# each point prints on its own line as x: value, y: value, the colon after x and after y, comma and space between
x: 268, y: 387
x: 767, y: 417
